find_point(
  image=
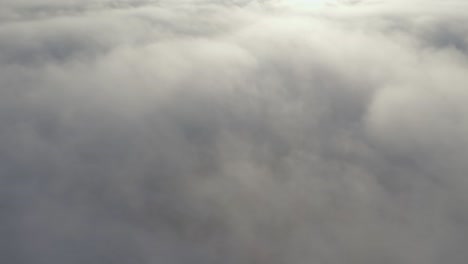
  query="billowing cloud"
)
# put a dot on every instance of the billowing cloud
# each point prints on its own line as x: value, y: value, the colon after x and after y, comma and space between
x: 233, y: 132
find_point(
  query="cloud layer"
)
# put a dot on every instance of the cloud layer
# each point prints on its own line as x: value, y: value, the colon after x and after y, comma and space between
x: 233, y: 132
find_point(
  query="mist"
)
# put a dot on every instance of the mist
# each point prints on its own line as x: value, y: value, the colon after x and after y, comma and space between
x: 210, y: 131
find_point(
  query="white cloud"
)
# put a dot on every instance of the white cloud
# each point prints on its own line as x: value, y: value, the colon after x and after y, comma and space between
x: 233, y: 132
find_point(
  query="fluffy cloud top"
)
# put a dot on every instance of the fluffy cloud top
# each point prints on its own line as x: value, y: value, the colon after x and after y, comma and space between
x: 233, y: 132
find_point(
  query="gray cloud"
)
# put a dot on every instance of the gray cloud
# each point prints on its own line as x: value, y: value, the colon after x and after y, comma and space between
x: 233, y: 132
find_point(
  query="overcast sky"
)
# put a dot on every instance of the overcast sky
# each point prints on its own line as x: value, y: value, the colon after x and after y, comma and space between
x: 233, y: 131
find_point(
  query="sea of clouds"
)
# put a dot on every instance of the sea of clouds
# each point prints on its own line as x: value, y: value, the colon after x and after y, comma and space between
x: 233, y: 132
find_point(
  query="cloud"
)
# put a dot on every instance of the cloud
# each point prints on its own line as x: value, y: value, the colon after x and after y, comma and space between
x: 233, y: 132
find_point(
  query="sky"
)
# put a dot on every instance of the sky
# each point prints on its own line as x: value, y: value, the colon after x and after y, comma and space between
x: 233, y: 131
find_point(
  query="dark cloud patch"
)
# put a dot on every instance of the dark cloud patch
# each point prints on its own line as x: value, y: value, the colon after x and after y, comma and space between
x: 233, y: 132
